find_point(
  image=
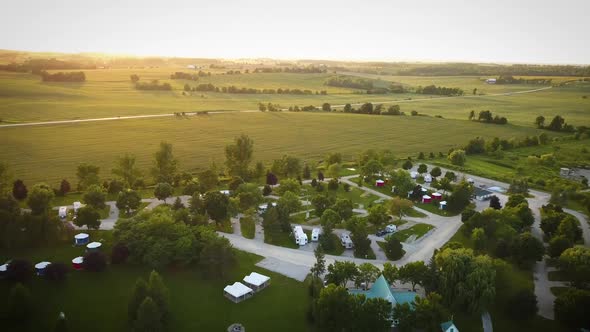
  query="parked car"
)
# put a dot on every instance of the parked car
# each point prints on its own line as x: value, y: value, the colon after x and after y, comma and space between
x: 381, y: 233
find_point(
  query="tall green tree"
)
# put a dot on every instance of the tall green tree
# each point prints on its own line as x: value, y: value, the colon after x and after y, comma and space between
x: 148, y: 317
x: 165, y: 164
x: 40, y: 198
x: 140, y: 292
x: 340, y: 273
x: 400, y: 207
x: 126, y: 169
x: 158, y: 291
x: 368, y: 273
x: 430, y: 312
x: 239, y: 155
x: 414, y: 273
x: 95, y: 196
x: 87, y: 175
x: 575, y: 262
x: 128, y: 200
x: 378, y: 215
x: 89, y: 217
x: 163, y: 191
x: 216, y: 205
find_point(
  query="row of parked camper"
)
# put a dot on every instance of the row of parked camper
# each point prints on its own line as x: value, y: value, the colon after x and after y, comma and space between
x: 63, y: 210
x: 301, y: 237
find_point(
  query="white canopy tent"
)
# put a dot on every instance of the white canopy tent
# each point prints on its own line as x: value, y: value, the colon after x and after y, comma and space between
x: 237, y: 292
x: 257, y: 281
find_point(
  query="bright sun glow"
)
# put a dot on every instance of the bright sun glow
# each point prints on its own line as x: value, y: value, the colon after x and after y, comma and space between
x: 499, y: 31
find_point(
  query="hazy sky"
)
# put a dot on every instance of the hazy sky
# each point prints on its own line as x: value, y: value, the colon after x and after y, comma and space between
x: 540, y: 31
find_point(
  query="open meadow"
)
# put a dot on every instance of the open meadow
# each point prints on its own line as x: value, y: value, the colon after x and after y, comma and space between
x: 200, y: 140
x: 109, y: 92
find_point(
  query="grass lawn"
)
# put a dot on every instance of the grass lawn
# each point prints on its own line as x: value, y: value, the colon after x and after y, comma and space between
x: 98, y: 302
x: 198, y: 141
x: 433, y: 208
x: 357, y: 196
x: 338, y: 249
x: 399, y: 222
x: 382, y: 246
x: 281, y: 239
x: 369, y: 255
x: 557, y: 276
x: 419, y: 230
x: 415, y: 214
x: 557, y: 291
x: 248, y: 227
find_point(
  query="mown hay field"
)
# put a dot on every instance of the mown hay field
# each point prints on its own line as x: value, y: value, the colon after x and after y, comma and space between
x: 109, y: 92
x: 50, y: 153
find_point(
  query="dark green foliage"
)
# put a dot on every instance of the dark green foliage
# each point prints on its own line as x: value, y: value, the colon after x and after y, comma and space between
x: 95, y: 197
x: 267, y: 190
x: 393, y: 248
x: 56, y: 271
x: 20, y: 270
x: 89, y: 217
x: 20, y: 303
x: 526, y: 302
x: 216, y: 205
x: 119, y: 254
x: 95, y: 261
x: 19, y: 190
x: 571, y: 308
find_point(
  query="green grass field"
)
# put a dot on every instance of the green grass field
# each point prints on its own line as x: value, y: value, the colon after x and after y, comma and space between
x: 50, y: 153
x: 109, y: 92
x: 98, y: 302
x: 418, y: 230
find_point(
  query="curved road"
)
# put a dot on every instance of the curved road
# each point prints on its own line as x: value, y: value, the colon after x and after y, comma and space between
x: 147, y: 116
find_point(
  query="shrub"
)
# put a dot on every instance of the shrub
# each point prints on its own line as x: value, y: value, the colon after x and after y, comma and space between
x: 526, y: 302
x: 95, y: 262
x: 393, y: 248
x: 20, y: 270
x: 56, y: 272
x: 119, y: 254
x: 267, y: 190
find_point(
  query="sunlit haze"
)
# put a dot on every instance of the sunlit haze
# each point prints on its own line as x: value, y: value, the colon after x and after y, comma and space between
x: 488, y: 31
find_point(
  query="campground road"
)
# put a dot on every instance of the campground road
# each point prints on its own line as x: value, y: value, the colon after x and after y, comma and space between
x: 163, y: 115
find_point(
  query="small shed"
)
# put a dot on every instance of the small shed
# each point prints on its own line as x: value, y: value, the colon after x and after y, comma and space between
x: 256, y: 281
x: 3, y: 270
x: 315, y: 234
x: 437, y: 196
x: 428, y: 178
x: 448, y: 327
x: 63, y: 212
x: 442, y: 205
x: 426, y: 199
x: 379, y: 183
x: 93, y: 246
x: 77, y: 206
x: 40, y: 267
x: 77, y: 262
x: 81, y: 239
x: 237, y: 292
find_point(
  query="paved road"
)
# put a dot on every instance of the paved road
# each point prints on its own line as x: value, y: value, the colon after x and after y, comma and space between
x: 583, y: 223
x: 148, y: 116
x: 486, y: 321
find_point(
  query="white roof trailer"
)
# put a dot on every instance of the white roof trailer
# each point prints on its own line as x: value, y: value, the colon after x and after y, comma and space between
x: 300, y: 236
x: 63, y: 212
x: 346, y: 241
x: 315, y: 234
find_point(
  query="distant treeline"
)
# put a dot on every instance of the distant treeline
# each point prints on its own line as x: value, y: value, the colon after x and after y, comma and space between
x: 456, y: 69
x: 488, y: 117
x: 36, y: 66
x: 363, y: 84
x: 508, y: 79
x: 185, y: 76
x: 208, y: 87
x: 153, y: 85
x: 366, y: 108
x: 296, y: 70
x: 439, y: 90
x: 76, y: 76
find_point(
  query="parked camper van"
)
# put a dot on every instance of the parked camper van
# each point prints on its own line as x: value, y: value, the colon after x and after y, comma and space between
x: 315, y: 234
x: 391, y: 228
x: 63, y: 212
x: 346, y: 241
x: 300, y: 236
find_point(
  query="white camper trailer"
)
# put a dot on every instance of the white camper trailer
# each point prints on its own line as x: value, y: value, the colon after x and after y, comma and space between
x: 63, y: 212
x: 391, y: 228
x: 315, y: 234
x: 346, y: 241
x: 300, y: 236
x: 77, y: 206
x: 413, y: 174
x: 427, y: 178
